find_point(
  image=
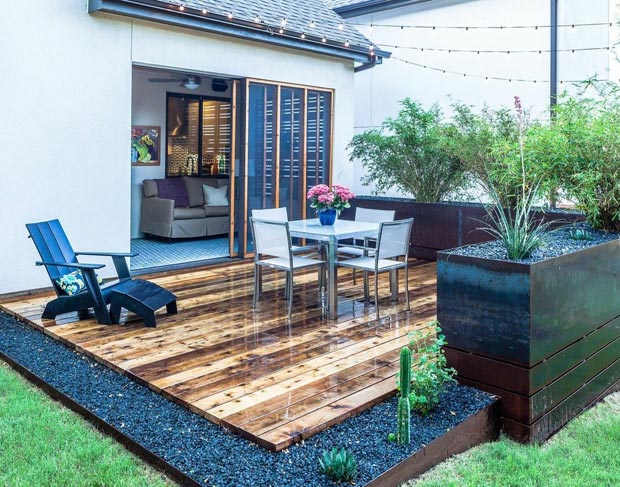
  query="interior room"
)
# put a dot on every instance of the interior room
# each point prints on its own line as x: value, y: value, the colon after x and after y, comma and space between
x: 181, y: 135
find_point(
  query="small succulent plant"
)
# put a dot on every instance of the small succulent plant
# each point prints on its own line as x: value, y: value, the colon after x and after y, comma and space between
x: 339, y: 465
x: 580, y: 234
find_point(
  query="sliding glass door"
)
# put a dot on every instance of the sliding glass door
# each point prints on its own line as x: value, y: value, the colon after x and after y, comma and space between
x: 287, y: 148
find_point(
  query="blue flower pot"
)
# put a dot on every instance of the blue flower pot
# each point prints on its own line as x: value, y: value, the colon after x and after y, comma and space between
x: 328, y: 216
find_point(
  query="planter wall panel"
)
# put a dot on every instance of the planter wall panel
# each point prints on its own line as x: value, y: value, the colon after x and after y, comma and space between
x: 544, y: 336
x: 485, y: 306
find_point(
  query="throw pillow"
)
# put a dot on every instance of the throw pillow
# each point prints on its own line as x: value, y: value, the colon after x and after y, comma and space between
x: 73, y: 282
x: 173, y: 189
x: 215, y: 196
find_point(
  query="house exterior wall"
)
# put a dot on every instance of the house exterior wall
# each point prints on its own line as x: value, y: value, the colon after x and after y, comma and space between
x: 379, y: 91
x: 67, y: 114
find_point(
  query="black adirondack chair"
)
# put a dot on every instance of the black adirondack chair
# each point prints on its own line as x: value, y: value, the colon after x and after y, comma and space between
x: 59, y: 259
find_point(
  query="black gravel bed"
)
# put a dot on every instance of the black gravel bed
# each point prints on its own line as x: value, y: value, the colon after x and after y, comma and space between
x: 555, y: 243
x: 209, y: 454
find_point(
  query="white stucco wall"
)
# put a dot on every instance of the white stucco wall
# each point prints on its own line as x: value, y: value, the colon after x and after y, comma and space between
x: 66, y: 117
x: 379, y: 91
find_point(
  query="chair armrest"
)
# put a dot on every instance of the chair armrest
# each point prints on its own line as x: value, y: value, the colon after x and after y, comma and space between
x: 109, y: 254
x: 73, y: 264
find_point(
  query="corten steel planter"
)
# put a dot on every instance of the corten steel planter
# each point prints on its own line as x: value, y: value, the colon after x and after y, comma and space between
x: 439, y: 226
x: 544, y: 336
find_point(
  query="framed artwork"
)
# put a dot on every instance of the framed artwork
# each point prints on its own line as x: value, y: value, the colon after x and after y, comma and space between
x: 145, y: 145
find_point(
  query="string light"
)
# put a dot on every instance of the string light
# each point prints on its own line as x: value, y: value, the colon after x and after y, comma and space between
x: 312, y: 24
x: 487, y: 78
x: 324, y: 40
x: 480, y: 27
x: 281, y: 30
x: 303, y: 36
x: 230, y: 15
x: 204, y: 11
x: 493, y: 51
x: 181, y: 8
x: 283, y: 22
x: 257, y: 19
x: 346, y: 44
x: 341, y: 26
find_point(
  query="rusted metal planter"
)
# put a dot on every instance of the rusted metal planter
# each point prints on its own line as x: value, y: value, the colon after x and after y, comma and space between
x: 439, y: 226
x: 543, y: 336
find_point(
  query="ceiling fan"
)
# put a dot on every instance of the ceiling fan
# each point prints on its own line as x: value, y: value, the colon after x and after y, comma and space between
x: 190, y: 81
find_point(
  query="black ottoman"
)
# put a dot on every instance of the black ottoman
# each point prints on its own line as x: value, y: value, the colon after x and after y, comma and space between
x: 142, y: 298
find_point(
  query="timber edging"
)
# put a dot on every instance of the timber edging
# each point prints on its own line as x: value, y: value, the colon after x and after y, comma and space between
x: 482, y: 427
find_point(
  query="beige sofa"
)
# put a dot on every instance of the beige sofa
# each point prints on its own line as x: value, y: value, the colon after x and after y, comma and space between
x: 175, y: 208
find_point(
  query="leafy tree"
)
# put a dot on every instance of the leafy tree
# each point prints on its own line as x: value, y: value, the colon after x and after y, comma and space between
x: 414, y: 152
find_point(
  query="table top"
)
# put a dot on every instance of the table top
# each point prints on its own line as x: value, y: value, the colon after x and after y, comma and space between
x: 341, y: 229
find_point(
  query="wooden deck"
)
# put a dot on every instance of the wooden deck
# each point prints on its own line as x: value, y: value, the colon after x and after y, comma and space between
x: 251, y: 371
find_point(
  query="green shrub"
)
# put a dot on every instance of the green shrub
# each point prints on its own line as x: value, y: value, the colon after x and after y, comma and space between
x: 430, y: 373
x: 586, y: 154
x: 414, y: 153
x: 339, y: 465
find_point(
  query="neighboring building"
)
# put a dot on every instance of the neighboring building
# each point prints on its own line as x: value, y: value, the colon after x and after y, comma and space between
x: 410, y: 23
x: 273, y: 79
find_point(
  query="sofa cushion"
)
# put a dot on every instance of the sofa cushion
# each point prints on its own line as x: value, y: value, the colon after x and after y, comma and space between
x: 194, y: 189
x: 215, y: 196
x: 173, y: 189
x: 216, y: 210
x: 149, y: 188
x: 189, y: 213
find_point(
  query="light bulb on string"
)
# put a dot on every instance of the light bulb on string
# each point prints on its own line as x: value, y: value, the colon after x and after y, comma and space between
x: 324, y: 40
x: 204, y: 11
x: 312, y: 24
x: 283, y: 22
x: 230, y: 15
x: 257, y: 19
x: 303, y: 36
x: 341, y: 26
x: 181, y: 8
x: 346, y: 44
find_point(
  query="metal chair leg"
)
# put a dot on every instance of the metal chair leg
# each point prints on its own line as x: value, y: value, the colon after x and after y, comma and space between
x: 366, y: 293
x: 407, y: 285
x: 377, y: 294
x: 256, y: 286
x: 290, y: 293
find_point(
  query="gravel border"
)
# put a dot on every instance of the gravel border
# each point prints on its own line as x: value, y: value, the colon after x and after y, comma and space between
x: 208, y: 453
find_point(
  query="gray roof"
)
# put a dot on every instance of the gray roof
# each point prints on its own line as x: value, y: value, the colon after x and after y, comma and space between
x: 300, y: 24
x: 298, y: 14
x: 352, y: 8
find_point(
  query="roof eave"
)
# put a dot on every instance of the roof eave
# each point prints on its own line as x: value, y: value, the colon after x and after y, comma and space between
x: 372, y: 6
x: 155, y: 13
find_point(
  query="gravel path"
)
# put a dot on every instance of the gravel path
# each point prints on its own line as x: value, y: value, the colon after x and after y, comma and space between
x: 208, y: 453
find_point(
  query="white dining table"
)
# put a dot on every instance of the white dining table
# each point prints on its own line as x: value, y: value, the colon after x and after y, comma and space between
x: 331, y: 234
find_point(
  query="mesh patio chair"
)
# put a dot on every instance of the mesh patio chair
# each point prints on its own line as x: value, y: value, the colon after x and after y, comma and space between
x: 365, y: 215
x: 281, y: 215
x: 272, y: 239
x: 392, y: 243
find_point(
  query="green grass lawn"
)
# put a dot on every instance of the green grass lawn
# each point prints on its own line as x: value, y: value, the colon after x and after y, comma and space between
x: 42, y: 443
x: 584, y: 453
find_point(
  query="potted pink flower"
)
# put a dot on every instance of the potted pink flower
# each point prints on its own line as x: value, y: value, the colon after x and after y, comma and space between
x: 329, y: 201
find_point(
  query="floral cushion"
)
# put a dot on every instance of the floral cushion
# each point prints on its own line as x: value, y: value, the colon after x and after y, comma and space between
x: 73, y: 282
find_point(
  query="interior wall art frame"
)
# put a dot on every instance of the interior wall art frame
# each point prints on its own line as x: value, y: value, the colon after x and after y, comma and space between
x: 145, y: 145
